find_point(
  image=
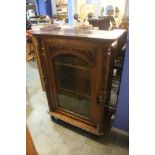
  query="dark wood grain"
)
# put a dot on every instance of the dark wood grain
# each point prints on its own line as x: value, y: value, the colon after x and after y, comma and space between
x: 98, y: 49
x: 72, y: 33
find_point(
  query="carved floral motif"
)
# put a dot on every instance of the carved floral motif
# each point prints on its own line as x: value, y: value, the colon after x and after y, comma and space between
x: 89, y: 53
x: 57, y: 47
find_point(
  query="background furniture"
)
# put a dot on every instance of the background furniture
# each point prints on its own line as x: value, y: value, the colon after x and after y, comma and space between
x: 61, y: 9
x: 122, y: 112
x: 124, y: 25
x: 30, y: 147
x: 38, y: 19
x: 103, y: 22
x: 30, y: 54
x: 31, y: 8
x: 78, y: 77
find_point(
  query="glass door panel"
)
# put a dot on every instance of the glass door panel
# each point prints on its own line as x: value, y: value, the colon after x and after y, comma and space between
x: 73, y: 81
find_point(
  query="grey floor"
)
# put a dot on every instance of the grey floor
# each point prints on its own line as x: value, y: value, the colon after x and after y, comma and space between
x: 56, y: 138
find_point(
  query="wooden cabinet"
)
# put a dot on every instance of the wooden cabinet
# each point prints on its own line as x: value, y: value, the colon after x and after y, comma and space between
x: 30, y: 147
x: 77, y: 71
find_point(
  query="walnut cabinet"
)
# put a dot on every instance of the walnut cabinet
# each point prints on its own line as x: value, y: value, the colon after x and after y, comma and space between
x: 76, y: 70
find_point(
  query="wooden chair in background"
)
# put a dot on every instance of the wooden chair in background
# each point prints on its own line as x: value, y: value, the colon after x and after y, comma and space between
x: 30, y: 54
x: 30, y: 147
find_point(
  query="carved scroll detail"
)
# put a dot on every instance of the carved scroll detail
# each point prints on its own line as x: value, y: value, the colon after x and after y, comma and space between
x: 89, y: 53
x: 39, y: 44
x: 102, y: 98
x: 57, y: 47
x: 108, y: 52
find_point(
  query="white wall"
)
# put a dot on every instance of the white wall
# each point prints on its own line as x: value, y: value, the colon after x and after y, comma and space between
x: 120, y: 3
x: 80, y: 2
x: 53, y: 2
x: 127, y: 8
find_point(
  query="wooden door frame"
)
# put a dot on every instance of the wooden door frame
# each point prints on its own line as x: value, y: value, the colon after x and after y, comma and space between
x: 61, y: 48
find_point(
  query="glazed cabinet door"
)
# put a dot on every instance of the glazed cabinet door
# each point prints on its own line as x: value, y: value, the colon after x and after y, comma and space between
x: 73, y: 72
x: 73, y: 83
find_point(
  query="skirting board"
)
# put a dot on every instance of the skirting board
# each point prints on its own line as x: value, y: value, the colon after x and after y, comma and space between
x: 119, y: 131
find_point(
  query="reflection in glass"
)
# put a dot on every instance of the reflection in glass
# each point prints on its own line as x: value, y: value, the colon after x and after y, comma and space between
x: 114, y: 93
x: 72, y: 76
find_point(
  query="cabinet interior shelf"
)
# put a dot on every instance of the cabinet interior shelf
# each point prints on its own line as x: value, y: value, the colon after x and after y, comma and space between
x: 74, y: 92
x: 116, y: 78
x: 73, y: 66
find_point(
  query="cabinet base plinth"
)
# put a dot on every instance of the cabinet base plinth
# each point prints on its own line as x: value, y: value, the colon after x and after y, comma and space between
x: 76, y: 123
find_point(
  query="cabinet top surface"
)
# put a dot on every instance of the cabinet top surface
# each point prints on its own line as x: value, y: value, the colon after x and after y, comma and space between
x: 82, y: 33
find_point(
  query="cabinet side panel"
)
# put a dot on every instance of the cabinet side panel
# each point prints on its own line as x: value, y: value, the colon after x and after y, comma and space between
x: 106, y: 82
x: 38, y: 61
x: 42, y: 70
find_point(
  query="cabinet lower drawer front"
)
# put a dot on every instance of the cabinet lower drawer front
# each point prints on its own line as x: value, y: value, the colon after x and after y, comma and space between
x: 76, y: 123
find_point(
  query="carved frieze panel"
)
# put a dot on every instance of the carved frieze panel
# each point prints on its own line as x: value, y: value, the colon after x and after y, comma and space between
x: 89, y: 53
x: 57, y: 47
